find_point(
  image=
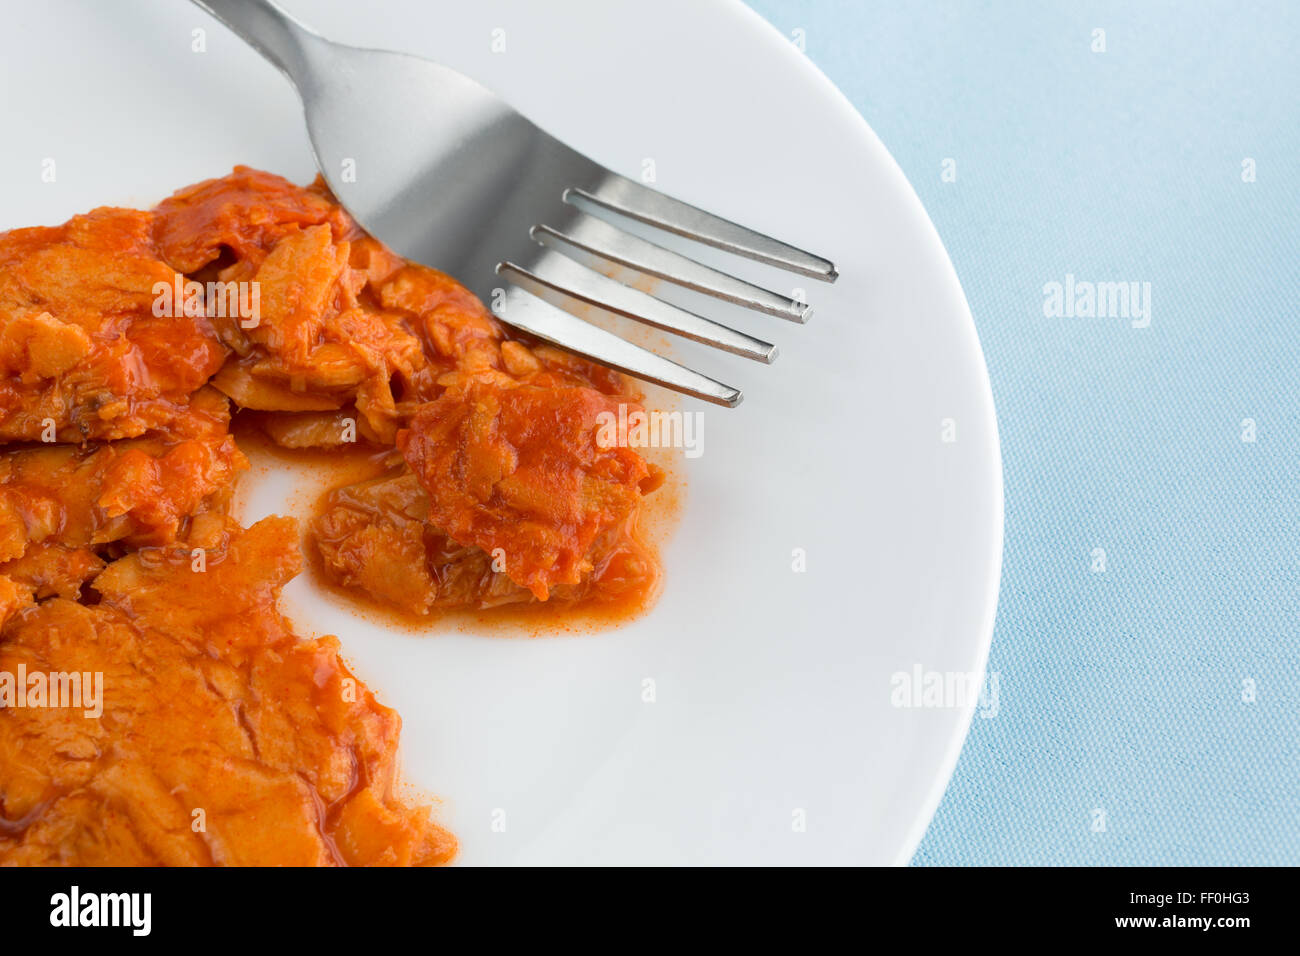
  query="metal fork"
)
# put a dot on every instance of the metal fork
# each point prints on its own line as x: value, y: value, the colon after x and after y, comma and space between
x: 445, y: 173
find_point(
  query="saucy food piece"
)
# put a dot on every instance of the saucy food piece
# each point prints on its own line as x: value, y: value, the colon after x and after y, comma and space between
x: 339, y: 316
x: 348, y: 334
x: 375, y: 536
x: 82, y: 355
x: 139, y: 492
x: 521, y: 474
x: 45, y: 570
x: 224, y: 738
x: 242, y: 215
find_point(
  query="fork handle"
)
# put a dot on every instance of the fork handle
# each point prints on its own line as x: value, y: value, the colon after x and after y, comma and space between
x: 268, y: 30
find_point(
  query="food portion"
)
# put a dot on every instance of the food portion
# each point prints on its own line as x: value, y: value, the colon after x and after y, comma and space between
x: 376, y: 537
x: 224, y: 739
x: 147, y: 491
x: 518, y: 472
x: 82, y: 355
x: 135, y: 349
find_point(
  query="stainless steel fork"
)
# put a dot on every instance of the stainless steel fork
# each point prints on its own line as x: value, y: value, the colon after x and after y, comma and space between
x: 445, y: 173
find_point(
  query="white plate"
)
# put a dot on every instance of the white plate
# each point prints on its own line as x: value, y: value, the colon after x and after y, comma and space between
x: 773, y: 688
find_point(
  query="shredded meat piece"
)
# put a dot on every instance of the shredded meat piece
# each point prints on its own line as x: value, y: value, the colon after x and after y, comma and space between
x: 375, y: 536
x: 50, y: 569
x: 245, y: 213
x: 226, y: 739
x: 345, y: 325
x: 519, y: 473
x: 82, y: 356
x: 139, y: 492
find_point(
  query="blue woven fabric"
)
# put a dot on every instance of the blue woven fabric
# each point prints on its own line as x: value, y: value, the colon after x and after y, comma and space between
x: 1150, y: 711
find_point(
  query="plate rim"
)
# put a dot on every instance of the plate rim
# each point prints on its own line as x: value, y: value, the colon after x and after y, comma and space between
x: 913, y: 836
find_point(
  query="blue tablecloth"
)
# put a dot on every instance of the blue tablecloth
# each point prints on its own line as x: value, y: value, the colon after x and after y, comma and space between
x: 1148, y: 630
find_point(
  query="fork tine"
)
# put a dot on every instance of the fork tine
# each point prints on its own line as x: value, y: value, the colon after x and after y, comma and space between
x: 568, y: 283
x: 607, y: 249
x: 535, y: 315
x: 654, y: 208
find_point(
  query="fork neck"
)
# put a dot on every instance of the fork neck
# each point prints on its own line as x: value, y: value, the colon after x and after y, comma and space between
x: 267, y: 29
